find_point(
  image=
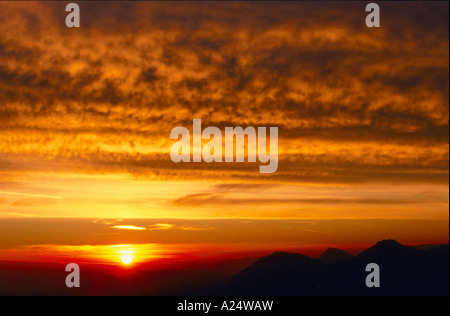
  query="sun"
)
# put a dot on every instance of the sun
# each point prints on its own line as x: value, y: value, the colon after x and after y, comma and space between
x: 127, y: 259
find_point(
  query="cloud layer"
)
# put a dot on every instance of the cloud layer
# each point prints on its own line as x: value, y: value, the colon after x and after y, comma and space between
x: 353, y: 104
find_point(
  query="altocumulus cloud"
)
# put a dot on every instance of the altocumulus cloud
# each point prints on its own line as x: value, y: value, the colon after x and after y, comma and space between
x: 352, y: 104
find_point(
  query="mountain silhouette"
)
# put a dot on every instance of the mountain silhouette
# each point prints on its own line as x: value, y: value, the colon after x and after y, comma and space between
x: 389, y: 249
x: 333, y: 255
x: 404, y: 270
x: 273, y: 274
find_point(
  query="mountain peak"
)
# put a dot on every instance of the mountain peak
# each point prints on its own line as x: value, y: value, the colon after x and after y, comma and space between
x: 388, y: 248
x: 333, y: 255
x: 389, y: 243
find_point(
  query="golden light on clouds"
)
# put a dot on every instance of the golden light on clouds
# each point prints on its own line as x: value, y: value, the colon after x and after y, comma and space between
x: 31, y: 195
x: 129, y: 227
x: 86, y: 115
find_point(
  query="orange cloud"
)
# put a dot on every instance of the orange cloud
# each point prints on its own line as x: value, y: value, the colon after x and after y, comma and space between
x: 128, y: 227
x: 86, y: 114
x: 160, y: 226
x: 104, y: 98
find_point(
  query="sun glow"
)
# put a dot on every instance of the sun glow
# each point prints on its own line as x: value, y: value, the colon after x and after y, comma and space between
x: 127, y: 259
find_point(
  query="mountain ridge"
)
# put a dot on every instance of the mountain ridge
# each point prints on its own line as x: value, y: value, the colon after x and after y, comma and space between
x: 405, y: 270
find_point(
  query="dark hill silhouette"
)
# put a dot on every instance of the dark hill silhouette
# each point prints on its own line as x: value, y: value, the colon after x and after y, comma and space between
x: 430, y: 246
x: 273, y: 274
x: 333, y: 255
x: 404, y: 271
x: 441, y: 250
x: 389, y: 249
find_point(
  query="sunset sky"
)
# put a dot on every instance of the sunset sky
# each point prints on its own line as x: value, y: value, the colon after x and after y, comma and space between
x: 86, y: 115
